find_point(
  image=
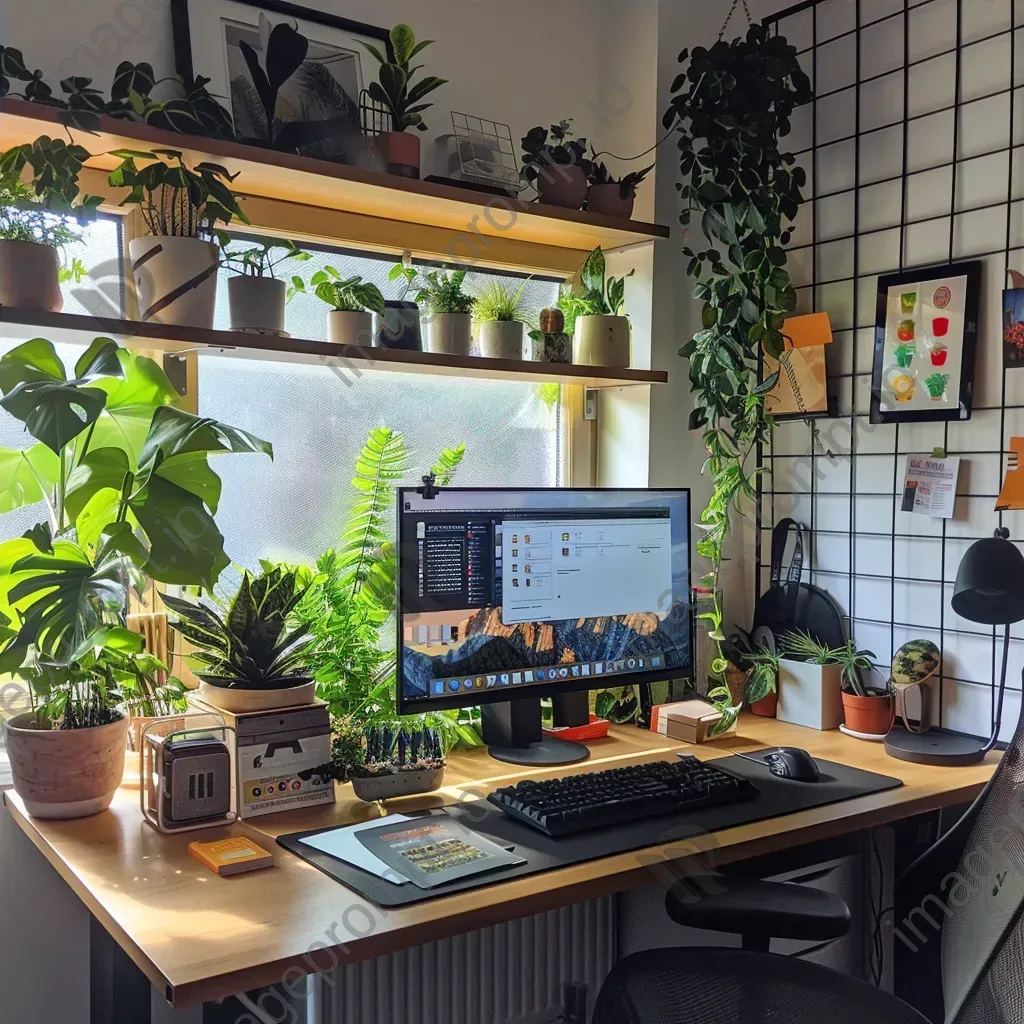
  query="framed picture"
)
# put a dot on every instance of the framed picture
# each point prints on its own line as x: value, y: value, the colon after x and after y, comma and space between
x: 926, y: 333
x: 315, y: 110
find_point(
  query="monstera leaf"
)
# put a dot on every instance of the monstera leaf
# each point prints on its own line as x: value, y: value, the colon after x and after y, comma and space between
x: 26, y: 477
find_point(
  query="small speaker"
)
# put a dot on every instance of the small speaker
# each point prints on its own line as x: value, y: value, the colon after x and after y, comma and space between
x: 197, y: 781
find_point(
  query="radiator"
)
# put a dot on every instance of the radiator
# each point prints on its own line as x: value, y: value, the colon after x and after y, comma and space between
x: 507, y: 973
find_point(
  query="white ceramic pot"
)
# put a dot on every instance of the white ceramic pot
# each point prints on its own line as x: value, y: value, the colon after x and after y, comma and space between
x: 501, y: 339
x: 28, y: 276
x: 384, y: 787
x: 810, y: 695
x: 450, y: 334
x: 66, y: 773
x: 176, y: 279
x: 256, y: 304
x: 352, y: 329
x: 601, y: 341
x: 239, y: 701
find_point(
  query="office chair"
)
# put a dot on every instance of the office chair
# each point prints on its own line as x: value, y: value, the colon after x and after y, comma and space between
x: 969, y: 886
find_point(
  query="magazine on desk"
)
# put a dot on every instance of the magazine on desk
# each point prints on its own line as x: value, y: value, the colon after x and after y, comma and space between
x: 435, y: 850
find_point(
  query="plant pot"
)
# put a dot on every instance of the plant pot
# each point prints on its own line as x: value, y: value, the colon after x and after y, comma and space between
x: 385, y: 787
x: 501, y: 339
x: 398, y: 327
x: 239, y: 701
x: 871, y: 716
x: 766, y: 707
x: 810, y: 695
x: 450, y: 334
x: 401, y: 152
x: 28, y: 276
x: 256, y: 304
x: 601, y: 341
x: 354, y: 330
x: 176, y: 279
x: 607, y: 199
x: 66, y: 773
x: 562, y: 185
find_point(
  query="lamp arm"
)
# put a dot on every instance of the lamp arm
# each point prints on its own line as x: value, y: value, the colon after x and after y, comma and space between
x: 998, y: 723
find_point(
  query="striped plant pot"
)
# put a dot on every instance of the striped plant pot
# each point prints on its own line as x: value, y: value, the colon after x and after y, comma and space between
x: 175, y: 279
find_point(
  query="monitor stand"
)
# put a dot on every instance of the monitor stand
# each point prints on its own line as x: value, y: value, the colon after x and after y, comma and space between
x: 513, y: 733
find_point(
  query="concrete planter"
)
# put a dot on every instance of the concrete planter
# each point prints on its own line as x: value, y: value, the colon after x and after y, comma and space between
x: 810, y: 695
x: 176, y: 279
x: 450, y: 334
x: 501, y: 339
x: 66, y: 773
x: 28, y: 276
x: 601, y: 341
x: 384, y: 787
x: 351, y: 329
x: 239, y: 701
x: 256, y: 304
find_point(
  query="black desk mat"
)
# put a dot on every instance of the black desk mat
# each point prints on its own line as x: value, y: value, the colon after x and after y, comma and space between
x: 778, y: 797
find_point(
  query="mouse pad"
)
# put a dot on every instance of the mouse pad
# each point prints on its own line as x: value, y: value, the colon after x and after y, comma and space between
x: 542, y: 853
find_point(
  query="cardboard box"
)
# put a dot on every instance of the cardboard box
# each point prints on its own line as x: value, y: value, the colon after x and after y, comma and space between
x: 283, y: 758
x: 660, y: 713
x: 689, y: 721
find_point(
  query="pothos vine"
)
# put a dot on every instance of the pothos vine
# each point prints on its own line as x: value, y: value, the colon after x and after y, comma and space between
x: 731, y: 106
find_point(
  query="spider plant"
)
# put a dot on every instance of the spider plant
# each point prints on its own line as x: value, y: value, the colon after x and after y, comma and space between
x: 498, y: 302
x: 852, y: 662
x: 801, y: 646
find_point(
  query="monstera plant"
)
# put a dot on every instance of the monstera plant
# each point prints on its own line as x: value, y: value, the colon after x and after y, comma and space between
x: 126, y: 482
x: 731, y: 107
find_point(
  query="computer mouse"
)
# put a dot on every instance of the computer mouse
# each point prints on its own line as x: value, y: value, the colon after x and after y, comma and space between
x: 792, y: 763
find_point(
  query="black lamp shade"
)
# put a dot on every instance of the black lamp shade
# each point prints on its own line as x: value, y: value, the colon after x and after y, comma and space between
x: 990, y: 583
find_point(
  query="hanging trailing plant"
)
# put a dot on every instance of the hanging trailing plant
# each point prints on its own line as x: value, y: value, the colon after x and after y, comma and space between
x: 732, y: 104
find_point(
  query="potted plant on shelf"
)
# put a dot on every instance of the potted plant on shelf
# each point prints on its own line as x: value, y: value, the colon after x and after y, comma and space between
x: 809, y: 683
x: 398, y: 762
x: 38, y: 219
x: 175, y: 266
x: 869, y: 711
x: 403, y: 100
x: 449, y: 311
x: 500, y: 314
x: 555, y: 163
x: 256, y: 297
x: 602, y: 331
x: 118, y: 469
x: 353, y: 302
x: 612, y: 196
x: 250, y: 656
x: 762, y: 689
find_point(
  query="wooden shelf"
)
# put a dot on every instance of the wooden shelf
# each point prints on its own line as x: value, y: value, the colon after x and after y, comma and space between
x: 22, y: 324
x: 460, y: 215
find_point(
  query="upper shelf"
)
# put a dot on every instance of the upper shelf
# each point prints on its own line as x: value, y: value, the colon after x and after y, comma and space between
x: 70, y: 328
x: 267, y: 174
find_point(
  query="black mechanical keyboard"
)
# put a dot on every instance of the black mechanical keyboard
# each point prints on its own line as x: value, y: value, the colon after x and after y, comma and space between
x: 576, y: 803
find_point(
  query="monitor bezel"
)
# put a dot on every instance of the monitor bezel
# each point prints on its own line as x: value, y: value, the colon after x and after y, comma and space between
x: 478, y: 698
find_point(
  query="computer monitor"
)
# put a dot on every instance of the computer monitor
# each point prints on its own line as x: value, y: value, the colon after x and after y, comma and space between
x: 506, y: 596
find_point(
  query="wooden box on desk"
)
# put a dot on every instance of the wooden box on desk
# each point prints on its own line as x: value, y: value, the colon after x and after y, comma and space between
x: 691, y: 720
x: 283, y: 757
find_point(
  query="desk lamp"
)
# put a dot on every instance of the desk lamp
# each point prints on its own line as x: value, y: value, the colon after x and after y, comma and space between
x: 989, y: 589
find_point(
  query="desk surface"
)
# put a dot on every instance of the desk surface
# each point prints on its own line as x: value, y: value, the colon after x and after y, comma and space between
x: 199, y: 937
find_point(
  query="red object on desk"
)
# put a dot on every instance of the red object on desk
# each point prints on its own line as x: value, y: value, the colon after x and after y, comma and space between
x: 596, y: 729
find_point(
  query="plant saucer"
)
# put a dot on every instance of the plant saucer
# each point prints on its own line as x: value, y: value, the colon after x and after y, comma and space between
x: 870, y: 737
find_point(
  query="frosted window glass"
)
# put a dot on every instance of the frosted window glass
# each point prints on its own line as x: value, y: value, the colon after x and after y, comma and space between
x: 102, y: 292
x: 294, y: 507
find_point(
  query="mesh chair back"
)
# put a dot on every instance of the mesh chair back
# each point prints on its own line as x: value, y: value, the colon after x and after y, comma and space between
x: 983, y: 936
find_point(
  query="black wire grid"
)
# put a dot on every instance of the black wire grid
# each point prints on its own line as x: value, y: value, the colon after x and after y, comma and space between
x: 886, y: 46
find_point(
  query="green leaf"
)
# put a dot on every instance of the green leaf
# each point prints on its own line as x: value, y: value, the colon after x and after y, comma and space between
x: 26, y: 476
x: 100, y: 469
x: 35, y: 360
x: 393, y: 81
x: 403, y: 42
x: 174, y: 432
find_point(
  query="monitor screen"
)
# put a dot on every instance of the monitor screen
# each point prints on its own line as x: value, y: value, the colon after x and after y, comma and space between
x: 515, y: 593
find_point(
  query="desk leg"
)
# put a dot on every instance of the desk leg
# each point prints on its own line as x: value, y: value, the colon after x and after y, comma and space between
x: 118, y: 990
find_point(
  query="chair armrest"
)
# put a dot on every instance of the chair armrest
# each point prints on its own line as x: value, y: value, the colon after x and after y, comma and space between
x: 757, y: 910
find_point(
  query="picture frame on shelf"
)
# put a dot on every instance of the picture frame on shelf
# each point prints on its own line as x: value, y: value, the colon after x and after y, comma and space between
x: 926, y: 335
x: 315, y: 111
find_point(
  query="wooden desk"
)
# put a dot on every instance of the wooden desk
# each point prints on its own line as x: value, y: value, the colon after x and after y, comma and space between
x: 199, y: 937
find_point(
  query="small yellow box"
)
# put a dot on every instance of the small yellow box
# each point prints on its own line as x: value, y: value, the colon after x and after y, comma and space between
x: 231, y: 856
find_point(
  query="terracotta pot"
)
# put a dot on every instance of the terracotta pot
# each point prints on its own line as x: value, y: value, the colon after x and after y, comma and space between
x: 354, y: 329
x: 66, y: 773
x: 176, y: 279
x: 601, y: 341
x: 766, y: 707
x: 28, y: 276
x: 401, y: 152
x: 562, y: 185
x: 450, y: 334
x: 256, y: 304
x: 607, y: 199
x: 872, y: 716
x: 501, y: 339
x: 398, y: 327
x: 239, y: 701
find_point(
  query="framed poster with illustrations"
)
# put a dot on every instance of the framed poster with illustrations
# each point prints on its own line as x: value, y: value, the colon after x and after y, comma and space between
x: 314, y: 111
x: 926, y: 333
